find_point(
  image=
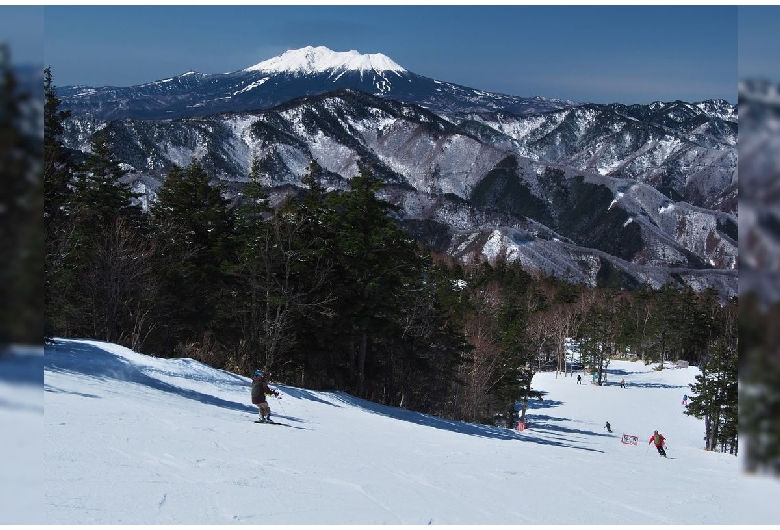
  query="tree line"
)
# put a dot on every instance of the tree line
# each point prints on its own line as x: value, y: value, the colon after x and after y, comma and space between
x: 327, y: 291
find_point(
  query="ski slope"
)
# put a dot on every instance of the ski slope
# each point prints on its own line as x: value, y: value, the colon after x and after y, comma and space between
x: 132, y: 439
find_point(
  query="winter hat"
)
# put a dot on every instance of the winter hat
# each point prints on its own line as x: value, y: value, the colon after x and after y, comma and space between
x: 258, y: 373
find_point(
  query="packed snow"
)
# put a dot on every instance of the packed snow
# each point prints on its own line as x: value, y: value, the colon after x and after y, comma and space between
x: 133, y: 439
x: 22, y: 438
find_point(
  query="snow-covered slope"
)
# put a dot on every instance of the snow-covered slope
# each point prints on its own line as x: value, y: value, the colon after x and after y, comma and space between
x: 132, y: 439
x: 21, y: 435
x: 311, y: 59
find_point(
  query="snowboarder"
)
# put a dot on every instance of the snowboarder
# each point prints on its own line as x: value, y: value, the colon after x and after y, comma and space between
x: 685, y: 400
x: 622, y: 383
x: 579, y: 379
x: 608, y: 427
x: 659, y: 441
x: 259, y: 390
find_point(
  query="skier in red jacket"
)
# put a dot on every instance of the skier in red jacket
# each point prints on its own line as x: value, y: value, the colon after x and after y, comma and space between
x: 659, y: 441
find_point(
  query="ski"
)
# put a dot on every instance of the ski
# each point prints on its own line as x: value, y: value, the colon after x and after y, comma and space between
x: 273, y: 423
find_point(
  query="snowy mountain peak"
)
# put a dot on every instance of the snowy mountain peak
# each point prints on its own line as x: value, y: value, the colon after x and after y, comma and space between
x: 311, y: 60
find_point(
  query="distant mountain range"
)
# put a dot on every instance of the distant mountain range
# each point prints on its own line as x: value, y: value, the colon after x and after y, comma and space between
x: 305, y: 72
x: 602, y: 194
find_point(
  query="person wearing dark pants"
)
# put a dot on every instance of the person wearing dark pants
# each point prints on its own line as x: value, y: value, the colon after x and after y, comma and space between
x: 658, y: 439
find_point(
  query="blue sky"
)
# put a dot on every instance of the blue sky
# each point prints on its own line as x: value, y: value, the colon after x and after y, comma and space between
x: 759, y: 42
x: 630, y: 54
x: 585, y: 53
x: 22, y: 28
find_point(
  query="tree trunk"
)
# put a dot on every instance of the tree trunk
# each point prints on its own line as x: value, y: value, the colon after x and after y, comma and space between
x: 361, y: 365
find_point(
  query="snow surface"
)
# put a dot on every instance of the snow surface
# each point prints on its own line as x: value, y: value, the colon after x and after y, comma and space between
x: 132, y: 439
x: 22, y: 438
x: 310, y: 60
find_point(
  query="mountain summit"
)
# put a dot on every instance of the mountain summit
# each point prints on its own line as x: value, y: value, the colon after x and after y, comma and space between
x: 312, y: 60
x: 308, y: 71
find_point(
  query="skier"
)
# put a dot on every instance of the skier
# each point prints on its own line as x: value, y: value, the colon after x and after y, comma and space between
x: 622, y: 383
x: 579, y: 379
x: 259, y: 390
x: 659, y: 441
x: 685, y: 400
x: 608, y: 427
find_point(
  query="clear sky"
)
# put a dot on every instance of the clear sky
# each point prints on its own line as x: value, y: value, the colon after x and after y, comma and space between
x: 21, y: 27
x: 759, y: 42
x: 585, y: 53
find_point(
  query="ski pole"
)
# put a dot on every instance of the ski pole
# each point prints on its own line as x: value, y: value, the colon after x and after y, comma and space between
x: 280, y: 404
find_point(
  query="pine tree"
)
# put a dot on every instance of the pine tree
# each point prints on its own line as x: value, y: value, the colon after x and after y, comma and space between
x: 715, y: 393
x: 281, y: 276
x: 373, y: 259
x: 58, y: 170
x: 599, y: 333
x: 100, y: 267
x: 193, y: 232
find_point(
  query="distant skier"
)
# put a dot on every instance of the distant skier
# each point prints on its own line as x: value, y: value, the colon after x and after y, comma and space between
x: 608, y: 427
x: 659, y: 441
x: 259, y: 390
x: 622, y: 383
x: 685, y: 400
x: 579, y: 379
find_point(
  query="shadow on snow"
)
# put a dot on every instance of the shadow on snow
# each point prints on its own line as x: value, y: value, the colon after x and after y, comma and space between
x: 471, y: 429
x: 90, y: 360
x: 21, y: 369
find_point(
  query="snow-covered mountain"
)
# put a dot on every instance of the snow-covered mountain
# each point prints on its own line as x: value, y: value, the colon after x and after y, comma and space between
x: 132, y: 439
x: 601, y: 194
x: 295, y: 73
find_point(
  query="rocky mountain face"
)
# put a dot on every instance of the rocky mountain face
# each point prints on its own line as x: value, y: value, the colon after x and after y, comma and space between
x: 602, y: 194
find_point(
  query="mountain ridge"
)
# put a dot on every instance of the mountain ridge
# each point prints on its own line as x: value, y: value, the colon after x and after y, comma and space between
x: 632, y: 187
x: 253, y: 88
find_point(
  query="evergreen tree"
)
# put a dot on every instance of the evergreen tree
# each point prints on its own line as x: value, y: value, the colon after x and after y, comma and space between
x: 282, y: 273
x: 99, y: 265
x: 248, y: 287
x: 715, y: 393
x: 666, y: 325
x: 374, y: 260
x: 516, y: 367
x: 58, y: 170
x: 598, y: 334
x: 193, y: 231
